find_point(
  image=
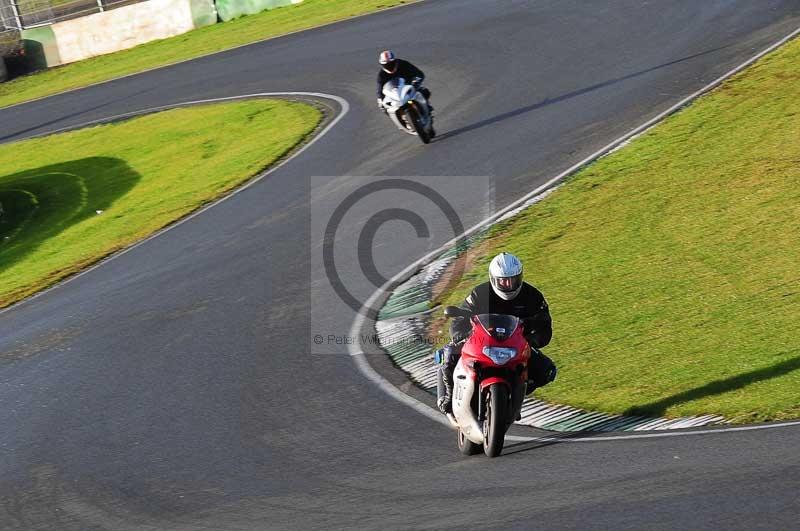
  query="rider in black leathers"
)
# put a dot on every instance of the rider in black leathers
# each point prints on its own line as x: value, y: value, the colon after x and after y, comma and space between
x: 525, y: 302
x: 393, y: 68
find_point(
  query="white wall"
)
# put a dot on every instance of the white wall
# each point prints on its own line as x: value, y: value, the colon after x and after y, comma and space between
x: 121, y: 28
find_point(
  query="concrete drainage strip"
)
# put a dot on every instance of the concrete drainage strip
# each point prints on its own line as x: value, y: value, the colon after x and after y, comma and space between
x: 402, y: 328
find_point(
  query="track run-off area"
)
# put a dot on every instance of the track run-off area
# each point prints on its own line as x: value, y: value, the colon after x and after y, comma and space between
x: 180, y: 385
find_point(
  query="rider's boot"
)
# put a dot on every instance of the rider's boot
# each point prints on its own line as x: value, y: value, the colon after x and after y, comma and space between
x: 444, y: 389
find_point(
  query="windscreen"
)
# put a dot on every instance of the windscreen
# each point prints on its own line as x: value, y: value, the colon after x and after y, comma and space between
x: 498, y: 325
x: 393, y: 87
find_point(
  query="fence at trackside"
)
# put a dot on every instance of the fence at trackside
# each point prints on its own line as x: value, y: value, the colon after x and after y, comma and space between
x: 10, y: 23
x: 48, y: 33
x: 23, y: 14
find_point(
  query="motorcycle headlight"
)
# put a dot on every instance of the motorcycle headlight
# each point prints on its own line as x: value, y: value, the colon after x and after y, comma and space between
x: 499, y: 355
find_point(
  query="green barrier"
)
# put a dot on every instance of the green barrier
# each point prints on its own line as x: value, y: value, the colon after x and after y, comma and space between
x: 230, y: 9
x: 203, y: 12
x: 40, y: 47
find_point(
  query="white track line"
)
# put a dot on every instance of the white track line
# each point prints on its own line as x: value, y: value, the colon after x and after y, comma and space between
x: 366, y: 369
x: 589, y: 438
x: 344, y: 108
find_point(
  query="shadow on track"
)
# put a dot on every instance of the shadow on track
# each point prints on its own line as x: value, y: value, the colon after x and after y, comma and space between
x: 20, y: 135
x: 545, y: 440
x: 567, y: 96
x: 716, y: 387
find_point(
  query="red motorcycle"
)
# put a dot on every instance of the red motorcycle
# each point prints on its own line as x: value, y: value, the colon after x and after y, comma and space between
x: 489, y: 381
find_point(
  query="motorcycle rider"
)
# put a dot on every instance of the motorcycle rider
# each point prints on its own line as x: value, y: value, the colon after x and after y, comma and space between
x: 507, y: 294
x: 393, y: 68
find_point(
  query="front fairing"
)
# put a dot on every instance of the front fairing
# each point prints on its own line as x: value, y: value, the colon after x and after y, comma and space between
x: 484, y: 335
x: 397, y: 93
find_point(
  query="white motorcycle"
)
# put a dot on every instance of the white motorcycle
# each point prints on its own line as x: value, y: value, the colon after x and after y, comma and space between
x: 408, y: 108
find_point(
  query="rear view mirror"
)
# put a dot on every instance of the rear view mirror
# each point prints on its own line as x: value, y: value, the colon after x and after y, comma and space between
x: 455, y: 311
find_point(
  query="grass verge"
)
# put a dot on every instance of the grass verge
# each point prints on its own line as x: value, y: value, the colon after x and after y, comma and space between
x: 76, y: 197
x: 671, y: 266
x: 202, y: 41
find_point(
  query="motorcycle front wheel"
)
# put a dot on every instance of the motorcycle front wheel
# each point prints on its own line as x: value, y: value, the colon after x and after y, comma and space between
x: 414, y: 116
x: 494, y: 427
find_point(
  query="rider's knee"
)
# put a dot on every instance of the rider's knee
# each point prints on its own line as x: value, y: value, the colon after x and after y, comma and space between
x: 447, y: 356
x: 551, y: 372
x: 544, y: 371
x: 451, y: 355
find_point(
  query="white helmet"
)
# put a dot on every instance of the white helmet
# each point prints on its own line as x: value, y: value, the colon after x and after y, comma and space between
x: 505, y: 274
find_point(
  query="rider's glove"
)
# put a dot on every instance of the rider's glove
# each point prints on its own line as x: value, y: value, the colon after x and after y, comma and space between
x: 380, y: 104
x: 417, y: 81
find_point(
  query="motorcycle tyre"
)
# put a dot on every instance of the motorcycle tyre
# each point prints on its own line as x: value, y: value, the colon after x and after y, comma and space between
x: 415, y: 120
x: 495, y: 424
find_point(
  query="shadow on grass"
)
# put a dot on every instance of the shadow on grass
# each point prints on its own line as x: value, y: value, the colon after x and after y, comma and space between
x: 568, y: 95
x: 717, y: 387
x: 39, y: 204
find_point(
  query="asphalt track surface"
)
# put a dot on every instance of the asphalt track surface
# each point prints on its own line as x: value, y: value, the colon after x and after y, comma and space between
x: 178, y: 386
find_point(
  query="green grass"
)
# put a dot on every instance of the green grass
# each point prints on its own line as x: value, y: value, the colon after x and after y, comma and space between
x: 140, y: 175
x: 196, y: 43
x: 672, y: 266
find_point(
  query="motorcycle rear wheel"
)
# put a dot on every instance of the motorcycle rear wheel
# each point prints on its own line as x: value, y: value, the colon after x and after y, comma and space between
x: 466, y: 446
x: 494, y: 427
